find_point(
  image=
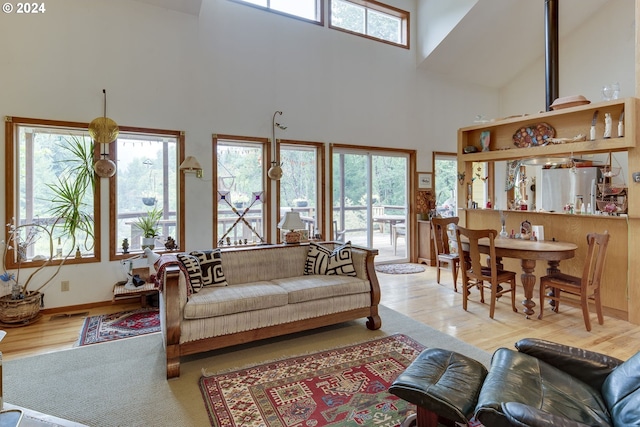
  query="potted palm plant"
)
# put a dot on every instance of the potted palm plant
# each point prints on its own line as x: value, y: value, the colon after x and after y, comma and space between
x: 148, y: 224
x: 72, y: 217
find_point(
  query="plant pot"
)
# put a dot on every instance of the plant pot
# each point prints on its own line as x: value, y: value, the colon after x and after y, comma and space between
x: 148, y: 242
x: 302, y: 203
x: 18, y: 312
x: 149, y: 201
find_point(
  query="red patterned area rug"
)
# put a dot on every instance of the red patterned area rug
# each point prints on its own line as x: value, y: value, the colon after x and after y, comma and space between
x: 341, y: 387
x: 114, y: 326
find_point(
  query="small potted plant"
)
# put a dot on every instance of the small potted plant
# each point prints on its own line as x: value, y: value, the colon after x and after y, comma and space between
x: 148, y: 224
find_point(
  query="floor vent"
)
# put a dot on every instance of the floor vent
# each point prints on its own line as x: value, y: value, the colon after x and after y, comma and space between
x: 69, y: 315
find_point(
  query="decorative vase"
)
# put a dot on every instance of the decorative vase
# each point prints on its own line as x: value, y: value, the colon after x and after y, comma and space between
x: 149, y: 201
x: 503, y: 232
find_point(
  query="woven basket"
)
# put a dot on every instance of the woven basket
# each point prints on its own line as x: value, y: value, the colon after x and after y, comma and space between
x: 19, y: 310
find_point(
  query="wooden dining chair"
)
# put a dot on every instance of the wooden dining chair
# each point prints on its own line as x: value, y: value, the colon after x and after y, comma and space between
x: 474, y: 274
x: 586, y: 287
x: 444, y: 258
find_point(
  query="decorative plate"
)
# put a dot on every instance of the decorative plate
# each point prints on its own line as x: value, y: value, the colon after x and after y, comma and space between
x: 533, y: 136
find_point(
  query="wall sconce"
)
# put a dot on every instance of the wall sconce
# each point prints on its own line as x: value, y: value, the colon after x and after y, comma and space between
x: 275, y: 171
x: 191, y: 165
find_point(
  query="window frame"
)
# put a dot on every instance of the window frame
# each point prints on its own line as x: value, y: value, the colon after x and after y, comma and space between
x: 113, y: 186
x: 11, y: 126
x: 319, y: 148
x: 386, y: 9
x: 319, y: 11
x: 266, y: 183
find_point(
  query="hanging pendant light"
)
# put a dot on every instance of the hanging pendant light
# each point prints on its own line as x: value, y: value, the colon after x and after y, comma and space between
x: 103, y: 130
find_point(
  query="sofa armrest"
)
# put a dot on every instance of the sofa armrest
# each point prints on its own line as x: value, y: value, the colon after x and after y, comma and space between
x: 363, y: 262
x: 588, y: 366
x: 522, y: 415
x: 173, y: 306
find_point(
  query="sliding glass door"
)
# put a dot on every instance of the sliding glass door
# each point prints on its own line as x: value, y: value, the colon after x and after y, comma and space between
x: 370, y: 201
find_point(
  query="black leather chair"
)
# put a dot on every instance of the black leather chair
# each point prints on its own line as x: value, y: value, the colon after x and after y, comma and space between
x: 543, y: 384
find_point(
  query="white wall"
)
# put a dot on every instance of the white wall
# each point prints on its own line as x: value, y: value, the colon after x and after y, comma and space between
x: 225, y: 71
x: 602, y: 51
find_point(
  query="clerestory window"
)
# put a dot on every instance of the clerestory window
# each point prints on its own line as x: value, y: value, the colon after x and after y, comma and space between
x: 370, y: 19
x: 309, y: 10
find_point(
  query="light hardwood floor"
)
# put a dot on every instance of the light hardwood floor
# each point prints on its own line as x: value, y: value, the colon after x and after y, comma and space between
x: 415, y: 295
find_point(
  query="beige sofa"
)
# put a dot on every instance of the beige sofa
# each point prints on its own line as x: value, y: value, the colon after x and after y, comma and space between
x: 267, y: 295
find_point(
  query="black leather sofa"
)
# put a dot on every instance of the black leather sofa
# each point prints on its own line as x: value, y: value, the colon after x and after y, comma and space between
x: 542, y: 384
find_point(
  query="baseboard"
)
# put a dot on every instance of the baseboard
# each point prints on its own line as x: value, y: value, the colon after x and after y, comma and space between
x: 66, y: 308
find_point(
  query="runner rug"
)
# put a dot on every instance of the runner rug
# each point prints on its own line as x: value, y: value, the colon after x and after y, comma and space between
x: 114, y: 326
x: 342, y: 387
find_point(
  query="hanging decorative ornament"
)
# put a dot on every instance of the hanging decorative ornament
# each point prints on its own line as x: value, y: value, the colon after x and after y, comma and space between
x: 103, y: 130
x: 105, y: 167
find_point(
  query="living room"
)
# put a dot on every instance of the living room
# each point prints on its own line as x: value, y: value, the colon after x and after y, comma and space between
x: 205, y: 74
x: 225, y: 68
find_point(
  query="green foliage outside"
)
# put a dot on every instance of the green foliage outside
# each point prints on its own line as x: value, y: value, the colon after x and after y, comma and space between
x: 389, y: 176
x: 446, y: 179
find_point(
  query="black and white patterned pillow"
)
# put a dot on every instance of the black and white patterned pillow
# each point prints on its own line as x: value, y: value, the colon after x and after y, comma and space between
x: 321, y: 260
x: 317, y: 259
x: 194, y: 272
x: 211, y: 266
x: 340, y: 262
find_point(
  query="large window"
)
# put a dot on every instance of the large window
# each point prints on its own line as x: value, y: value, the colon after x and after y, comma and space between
x: 370, y: 19
x: 445, y: 166
x: 50, y: 180
x: 310, y: 10
x: 146, y: 181
x: 239, y: 194
x: 300, y: 189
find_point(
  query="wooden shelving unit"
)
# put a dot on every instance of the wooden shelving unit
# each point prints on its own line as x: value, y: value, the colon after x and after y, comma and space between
x: 567, y: 123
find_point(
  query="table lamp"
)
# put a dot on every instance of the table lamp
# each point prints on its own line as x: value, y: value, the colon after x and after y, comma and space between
x: 127, y: 264
x: 291, y: 222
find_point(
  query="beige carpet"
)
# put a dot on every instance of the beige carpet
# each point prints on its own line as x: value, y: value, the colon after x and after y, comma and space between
x: 122, y: 383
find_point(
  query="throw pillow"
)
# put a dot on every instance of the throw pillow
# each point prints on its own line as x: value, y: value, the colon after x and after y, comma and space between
x: 192, y: 265
x: 317, y: 259
x: 211, y: 266
x: 321, y: 260
x: 340, y: 262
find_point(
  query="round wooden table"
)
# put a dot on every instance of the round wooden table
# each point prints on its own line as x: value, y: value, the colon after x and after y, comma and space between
x: 529, y: 251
